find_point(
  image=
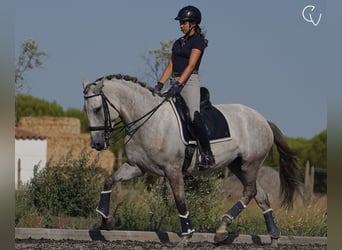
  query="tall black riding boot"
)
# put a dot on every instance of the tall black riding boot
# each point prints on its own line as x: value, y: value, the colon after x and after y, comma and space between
x: 207, y: 158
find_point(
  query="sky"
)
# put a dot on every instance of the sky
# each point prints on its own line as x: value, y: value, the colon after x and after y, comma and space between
x: 265, y: 54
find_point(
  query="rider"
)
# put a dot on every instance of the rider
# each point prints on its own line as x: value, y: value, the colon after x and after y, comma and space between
x: 183, y: 67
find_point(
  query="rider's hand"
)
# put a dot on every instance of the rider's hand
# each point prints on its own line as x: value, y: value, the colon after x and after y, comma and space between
x: 175, y: 88
x: 158, y: 88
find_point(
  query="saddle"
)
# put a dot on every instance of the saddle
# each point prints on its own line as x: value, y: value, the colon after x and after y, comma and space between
x: 215, y: 123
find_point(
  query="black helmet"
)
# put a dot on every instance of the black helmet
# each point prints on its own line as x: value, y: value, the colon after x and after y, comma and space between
x: 189, y: 13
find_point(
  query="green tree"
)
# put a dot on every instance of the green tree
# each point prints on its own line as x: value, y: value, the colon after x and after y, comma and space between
x: 313, y: 150
x: 28, y: 105
x: 30, y: 57
x: 318, y: 153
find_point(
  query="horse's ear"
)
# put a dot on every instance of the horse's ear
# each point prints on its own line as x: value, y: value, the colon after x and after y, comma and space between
x: 85, y: 82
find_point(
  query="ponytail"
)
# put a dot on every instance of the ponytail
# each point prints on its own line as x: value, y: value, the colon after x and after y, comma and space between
x: 199, y: 31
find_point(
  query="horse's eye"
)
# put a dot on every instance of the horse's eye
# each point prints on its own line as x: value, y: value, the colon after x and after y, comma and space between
x: 96, y: 110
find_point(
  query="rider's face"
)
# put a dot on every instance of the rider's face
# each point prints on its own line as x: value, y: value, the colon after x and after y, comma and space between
x: 186, y: 26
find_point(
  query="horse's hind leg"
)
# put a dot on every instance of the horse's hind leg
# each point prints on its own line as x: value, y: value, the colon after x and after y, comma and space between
x: 247, y: 174
x: 263, y: 202
x: 124, y: 173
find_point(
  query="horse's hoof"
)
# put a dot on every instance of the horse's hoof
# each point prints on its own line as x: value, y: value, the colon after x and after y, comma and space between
x: 107, y: 224
x: 274, y: 242
x: 220, y: 236
x: 187, y: 234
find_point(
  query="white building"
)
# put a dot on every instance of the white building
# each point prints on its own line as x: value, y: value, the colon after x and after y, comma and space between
x: 30, y: 150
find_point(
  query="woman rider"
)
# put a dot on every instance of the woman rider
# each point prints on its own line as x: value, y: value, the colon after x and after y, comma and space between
x: 183, y: 68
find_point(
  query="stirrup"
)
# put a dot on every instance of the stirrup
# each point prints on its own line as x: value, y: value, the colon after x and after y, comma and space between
x: 207, y: 161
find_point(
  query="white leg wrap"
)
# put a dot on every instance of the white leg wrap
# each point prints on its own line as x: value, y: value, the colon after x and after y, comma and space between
x: 106, y: 192
x: 184, y: 216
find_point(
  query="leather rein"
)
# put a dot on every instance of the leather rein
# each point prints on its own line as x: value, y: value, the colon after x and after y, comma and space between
x: 129, y: 128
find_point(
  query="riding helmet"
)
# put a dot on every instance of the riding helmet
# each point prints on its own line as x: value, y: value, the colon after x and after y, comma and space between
x: 189, y: 13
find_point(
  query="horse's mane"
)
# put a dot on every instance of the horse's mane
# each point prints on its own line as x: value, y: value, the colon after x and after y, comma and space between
x: 126, y: 78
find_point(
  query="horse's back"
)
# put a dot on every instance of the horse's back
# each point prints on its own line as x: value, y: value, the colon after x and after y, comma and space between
x: 247, y: 126
x: 241, y: 112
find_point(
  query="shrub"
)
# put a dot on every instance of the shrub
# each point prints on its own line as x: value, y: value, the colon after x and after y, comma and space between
x: 162, y: 209
x: 204, y: 203
x: 64, y: 195
x: 153, y: 208
x: 130, y: 210
x: 24, y: 206
x: 70, y: 187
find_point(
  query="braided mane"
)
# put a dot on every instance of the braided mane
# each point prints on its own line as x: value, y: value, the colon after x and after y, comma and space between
x: 126, y: 78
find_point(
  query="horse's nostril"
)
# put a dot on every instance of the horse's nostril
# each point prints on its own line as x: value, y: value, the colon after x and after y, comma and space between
x: 95, y: 145
x: 98, y: 146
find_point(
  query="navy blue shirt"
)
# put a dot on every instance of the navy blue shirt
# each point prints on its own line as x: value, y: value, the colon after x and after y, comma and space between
x: 181, y: 52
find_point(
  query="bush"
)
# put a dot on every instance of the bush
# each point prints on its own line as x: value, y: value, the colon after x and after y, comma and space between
x: 204, y: 203
x: 153, y: 207
x: 64, y: 195
x: 162, y: 208
x: 69, y: 187
x: 23, y: 204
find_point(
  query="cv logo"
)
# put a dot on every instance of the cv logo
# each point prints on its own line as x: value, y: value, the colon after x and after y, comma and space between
x: 308, y: 13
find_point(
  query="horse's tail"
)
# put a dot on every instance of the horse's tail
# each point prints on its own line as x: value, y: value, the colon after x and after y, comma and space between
x: 288, y: 168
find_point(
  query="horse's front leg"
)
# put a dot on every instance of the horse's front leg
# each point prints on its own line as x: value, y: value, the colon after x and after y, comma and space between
x: 177, y: 185
x: 123, y: 173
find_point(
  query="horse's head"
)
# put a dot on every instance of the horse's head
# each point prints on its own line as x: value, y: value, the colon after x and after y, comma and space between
x: 100, y: 116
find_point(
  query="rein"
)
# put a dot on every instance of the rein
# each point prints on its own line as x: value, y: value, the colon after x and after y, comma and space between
x: 120, y: 126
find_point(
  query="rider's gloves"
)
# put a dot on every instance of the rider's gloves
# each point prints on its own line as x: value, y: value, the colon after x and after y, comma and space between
x: 158, y: 88
x: 175, y: 88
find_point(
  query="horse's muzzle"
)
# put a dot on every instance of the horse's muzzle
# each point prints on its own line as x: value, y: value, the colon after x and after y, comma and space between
x: 99, y: 146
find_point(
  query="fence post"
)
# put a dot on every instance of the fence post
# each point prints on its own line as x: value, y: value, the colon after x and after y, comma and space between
x: 309, y: 183
x: 19, y: 174
x: 120, y: 156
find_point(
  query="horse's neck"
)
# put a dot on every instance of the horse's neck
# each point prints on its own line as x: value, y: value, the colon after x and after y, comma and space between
x: 134, y: 101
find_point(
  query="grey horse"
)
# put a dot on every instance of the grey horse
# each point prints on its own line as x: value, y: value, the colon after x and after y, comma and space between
x: 153, y: 144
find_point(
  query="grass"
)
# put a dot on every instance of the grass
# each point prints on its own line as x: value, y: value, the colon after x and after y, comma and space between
x: 305, y: 221
x: 135, y: 207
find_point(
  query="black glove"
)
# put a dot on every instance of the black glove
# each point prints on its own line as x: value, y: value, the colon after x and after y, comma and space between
x: 158, y: 88
x: 175, y: 88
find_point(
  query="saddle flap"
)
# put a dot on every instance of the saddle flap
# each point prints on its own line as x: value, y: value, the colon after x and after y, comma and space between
x: 215, y: 123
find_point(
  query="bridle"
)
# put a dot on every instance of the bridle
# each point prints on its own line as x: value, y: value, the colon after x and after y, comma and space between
x: 120, y: 126
x: 107, y: 127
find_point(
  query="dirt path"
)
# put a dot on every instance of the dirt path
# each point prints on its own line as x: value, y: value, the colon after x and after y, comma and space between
x: 137, y: 245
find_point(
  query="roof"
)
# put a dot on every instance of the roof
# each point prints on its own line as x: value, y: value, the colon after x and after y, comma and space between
x: 25, y: 134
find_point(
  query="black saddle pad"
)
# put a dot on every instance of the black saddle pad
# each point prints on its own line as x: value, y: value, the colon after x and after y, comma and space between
x: 215, y: 122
